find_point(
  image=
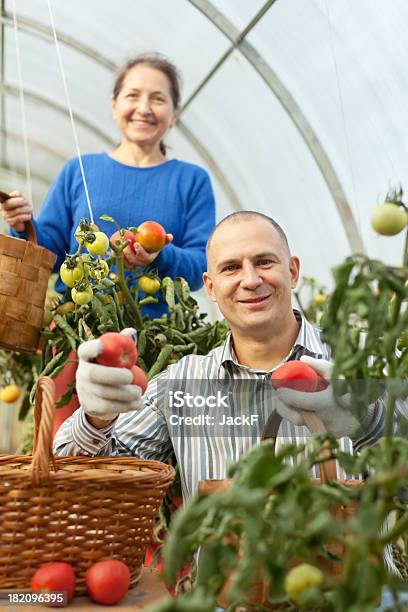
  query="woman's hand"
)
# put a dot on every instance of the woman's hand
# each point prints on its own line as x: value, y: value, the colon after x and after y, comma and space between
x: 16, y: 210
x: 140, y: 257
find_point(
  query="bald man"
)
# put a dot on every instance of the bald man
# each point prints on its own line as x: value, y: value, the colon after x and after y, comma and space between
x: 211, y: 409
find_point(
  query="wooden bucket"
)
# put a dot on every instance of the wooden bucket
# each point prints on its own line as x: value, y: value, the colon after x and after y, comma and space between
x: 258, y: 593
x: 25, y: 269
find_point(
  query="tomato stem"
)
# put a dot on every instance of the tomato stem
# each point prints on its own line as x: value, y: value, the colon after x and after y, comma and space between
x: 120, y: 271
x: 405, y: 259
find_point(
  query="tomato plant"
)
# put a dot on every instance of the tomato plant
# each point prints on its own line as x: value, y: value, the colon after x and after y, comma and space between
x: 70, y: 272
x: 107, y: 582
x: 149, y: 285
x: 96, y: 243
x: 9, y: 394
x: 272, y: 516
x: 297, y: 375
x: 151, y: 236
x: 54, y: 577
x: 139, y: 378
x: 118, y: 351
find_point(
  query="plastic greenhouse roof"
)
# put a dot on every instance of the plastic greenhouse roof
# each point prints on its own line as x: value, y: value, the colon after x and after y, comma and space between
x: 297, y: 108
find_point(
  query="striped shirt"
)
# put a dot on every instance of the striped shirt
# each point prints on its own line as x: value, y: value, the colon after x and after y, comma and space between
x: 203, y: 448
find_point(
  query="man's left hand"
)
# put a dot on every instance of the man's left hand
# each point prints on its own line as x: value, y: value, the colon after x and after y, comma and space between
x: 338, y: 421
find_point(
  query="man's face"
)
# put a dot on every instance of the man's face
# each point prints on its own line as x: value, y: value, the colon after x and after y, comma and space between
x: 250, y: 275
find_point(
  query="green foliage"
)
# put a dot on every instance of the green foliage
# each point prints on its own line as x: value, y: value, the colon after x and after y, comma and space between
x: 273, y: 513
x: 364, y: 324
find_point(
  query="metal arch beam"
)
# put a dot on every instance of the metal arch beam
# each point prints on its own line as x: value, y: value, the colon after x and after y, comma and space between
x: 229, y: 30
x: 33, y: 143
x: 43, y: 101
x: 36, y: 28
x: 288, y: 102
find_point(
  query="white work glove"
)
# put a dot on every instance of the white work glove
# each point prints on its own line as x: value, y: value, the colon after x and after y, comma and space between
x: 104, y: 392
x: 338, y: 421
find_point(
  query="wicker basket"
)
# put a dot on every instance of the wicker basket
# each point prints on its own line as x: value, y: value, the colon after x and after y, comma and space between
x: 259, y: 589
x: 25, y: 269
x: 74, y: 509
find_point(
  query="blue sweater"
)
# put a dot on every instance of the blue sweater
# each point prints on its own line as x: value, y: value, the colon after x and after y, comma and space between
x: 176, y: 194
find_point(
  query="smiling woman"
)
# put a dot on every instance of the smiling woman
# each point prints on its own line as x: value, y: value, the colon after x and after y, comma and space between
x: 135, y: 182
x: 144, y: 106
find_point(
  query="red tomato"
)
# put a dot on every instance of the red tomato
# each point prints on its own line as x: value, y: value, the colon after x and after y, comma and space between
x: 107, y: 582
x: 139, y: 378
x: 54, y: 577
x: 151, y: 236
x: 121, y: 236
x: 299, y: 376
x: 118, y: 351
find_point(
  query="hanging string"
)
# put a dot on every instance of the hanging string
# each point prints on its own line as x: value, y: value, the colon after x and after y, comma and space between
x: 22, y: 107
x: 69, y: 106
x: 343, y: 115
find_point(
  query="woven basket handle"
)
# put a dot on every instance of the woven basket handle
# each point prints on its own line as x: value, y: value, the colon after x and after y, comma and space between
x: 29, y: 226
x: 314, y: 424
x: 44, y: 412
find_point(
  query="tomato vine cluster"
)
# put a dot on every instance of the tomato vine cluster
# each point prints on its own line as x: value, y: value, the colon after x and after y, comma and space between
x: 81, y: 271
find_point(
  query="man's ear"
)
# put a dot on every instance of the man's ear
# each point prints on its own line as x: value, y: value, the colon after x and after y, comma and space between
x: 209, y: 287
x: 294, y: 268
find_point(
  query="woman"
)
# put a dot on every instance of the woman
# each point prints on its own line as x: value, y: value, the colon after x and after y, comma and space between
x: 133, y: 183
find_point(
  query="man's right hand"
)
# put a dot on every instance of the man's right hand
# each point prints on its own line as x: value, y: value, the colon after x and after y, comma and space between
x: 104, y: 392
x: 16, y: 211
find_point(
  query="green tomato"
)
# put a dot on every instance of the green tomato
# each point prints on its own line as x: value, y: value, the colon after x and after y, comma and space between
x: 83, y: 228
x: 388, y: 219
x: 82, y: 296
x: 70, y: 276
x: 319, y: 298
x: 99, y: 245
x: 98, y: 271
x: 300, y: 578
x: 66, y: 308
x: 149, y: 285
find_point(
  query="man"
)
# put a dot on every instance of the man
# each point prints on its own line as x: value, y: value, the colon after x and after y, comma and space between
x: 251, y: 279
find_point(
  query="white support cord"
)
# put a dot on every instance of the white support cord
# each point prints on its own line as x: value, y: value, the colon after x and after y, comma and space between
x: 22, y: 107
x: 69, y: 106
x: 344, y: 123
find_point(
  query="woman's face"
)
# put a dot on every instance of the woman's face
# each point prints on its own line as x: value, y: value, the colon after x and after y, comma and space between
x: 143, y: 109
